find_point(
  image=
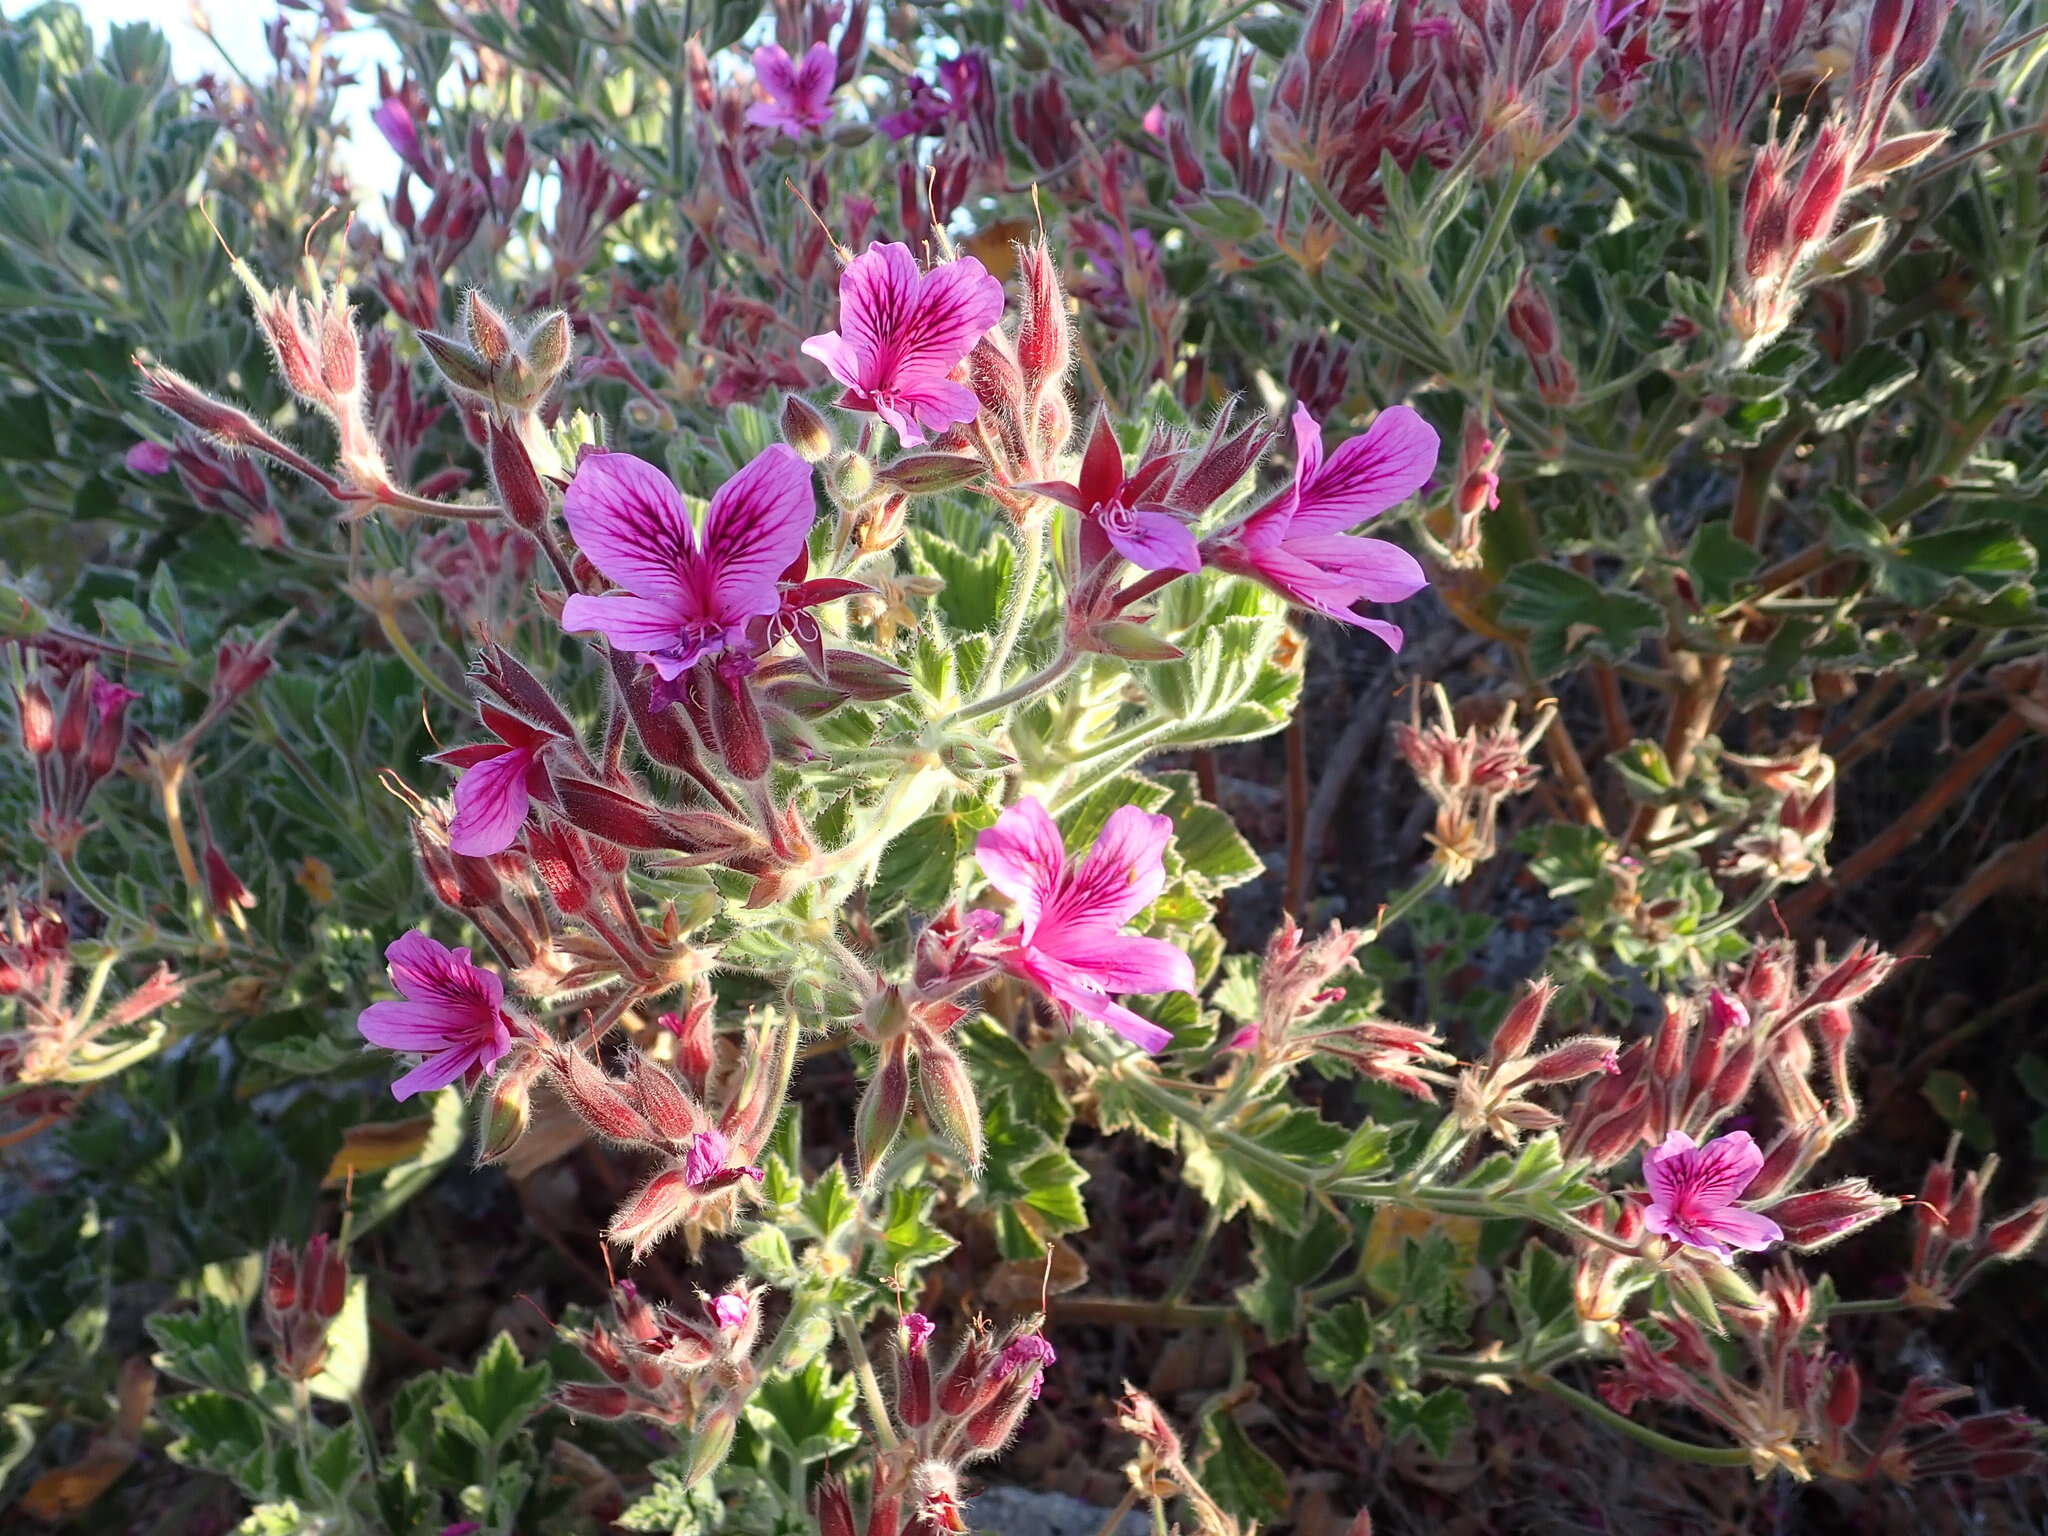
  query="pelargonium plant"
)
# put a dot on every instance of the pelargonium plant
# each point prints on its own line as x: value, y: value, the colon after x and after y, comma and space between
x: 688, y: 652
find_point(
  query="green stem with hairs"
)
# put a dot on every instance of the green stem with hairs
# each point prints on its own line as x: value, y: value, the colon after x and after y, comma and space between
x: 1682, y: 1450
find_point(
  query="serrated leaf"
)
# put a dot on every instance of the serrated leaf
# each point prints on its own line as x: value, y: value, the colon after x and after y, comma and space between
x: 1873, y: 374
x: 1340, y: 1343
x: 1239, y: 1476
x: 1435, y: 1420
x: 500, y: 1395
x: 806, y: 1413
x: 1287, y: 1264
x: 1566, y: 614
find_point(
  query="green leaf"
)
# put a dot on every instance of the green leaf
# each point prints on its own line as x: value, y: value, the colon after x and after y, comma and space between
x: 975, y: 580
x: 1961, y: 1109
x: 911, y: 1234
x: 1435, y: 1420
x: 1237, y: 1474
x: 498, y: 1397
x: 1539, y: 1291
x: 1002, y: 1067
x: 807, y: 1414
x: 348, y: 1346
x: 919, y: 869
x: 1873, y: 374
x: 1720, y: 564
x: 828, y: 1204
x: 1986, y: 550
x: 1340, y: 1343
x: 1287, y: 1264
x: 1566, y: 614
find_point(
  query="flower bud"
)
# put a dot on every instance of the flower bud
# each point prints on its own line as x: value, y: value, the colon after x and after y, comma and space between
x: 922, y: 474
x: 1966, y: 1210
x: 323, y: 1278
x: 1511, y: 1041
x: 594, y: 1401
x: 662, y: 1100
x: 598, y: 1100
x: 832, y: 1509
x: 508, y: 1111
x: 1845, y: 1396
x: 649, y: 1215
x: 1576, y: 1058
x: 1130, y: 640
x: 487, y: 330
x: 805, y: 429
x: 460, y: 367
x: 736, y: 722
x: 280, y: 1280
x: 549, y: 346
x: 948, y: 1095
x: 914, y: 1373
x: 1044, y: 330
x: 967, y: 1386
x: 2017, y: 1233
x: 520, y: 491
x: 1852, y: 249
x: 883, y: 1106
x: 38, y: 719
x: 849, y: 478
x: 1861, y: 971
x: 713, y: 1442
x: 1819, y: 1217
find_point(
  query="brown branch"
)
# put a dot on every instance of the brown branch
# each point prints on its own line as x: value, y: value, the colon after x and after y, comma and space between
x: 1961, y: 773
x: 2014, y: 864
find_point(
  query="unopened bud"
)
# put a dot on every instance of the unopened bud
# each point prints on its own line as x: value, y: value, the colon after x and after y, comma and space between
x: 323, y: 1278
x: 713, y: 1442
x: 662, y: 1100
x: 882, y: 1106
x: 1822, y: 1216
x: 736, y: 722
x: 38, y: 719
x: 968, y: 1385
x: 520, y: 491
x: 280, y: 1280
x: 2017, y: 1233
x: 1576, y: 1058
x: 508, y: 1111
x: 1511, y: 1041
x: 805, y: 429
x: 1131, y: 641
x: 849, y: 478
x: 923, y: 474
x: 594, y: 1401
x: 487, y: 329
x: 831, y: 1507
x: 599, y: 1102
x: 949, y: 1102
x: 549, y: 346
x: 1845, y: 1396
x: 914, y: 1373
x: 1852, y: 248
x: 1896, y: 154
x: 1044, y: 329
x: 457, y: 364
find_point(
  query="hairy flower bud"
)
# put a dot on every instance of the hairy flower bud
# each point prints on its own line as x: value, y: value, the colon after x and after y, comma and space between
x: 509, y: 1109
x: 599, y: 1101
x: 1524, y: 1017
x: 948, y: 1096
x: 1819, y: 1217
x: 549, y: 346
x: 2017, y: 1234
x: 882, y: 1106
x: 597, y: 1402
x: 38, y: 719
x: 805, y: 429
x: 520, y: 491
x: 1044, y: 330
x: 1576, y: 1058
x: 832, y: 1509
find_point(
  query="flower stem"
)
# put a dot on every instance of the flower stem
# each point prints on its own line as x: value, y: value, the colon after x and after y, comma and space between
x: 1682, y: 1450
x: 1036, y: 683
x: 1480, y: 262
x: 870, y: 1387
x: 1031, y: 538
x: 1188, y: 39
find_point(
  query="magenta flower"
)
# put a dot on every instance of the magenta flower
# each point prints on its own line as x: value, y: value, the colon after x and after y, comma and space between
x: 453, y: 1013
x: 500, y: 779
x: 1070, y: 944
x: 686, y: 595
x: 901, y: 335
x: 793, y: 620
x: 706, y: 1163
x: 1125, y: 514
x: 730, y: 1311
x: 1297, y: 543
x: 147, y: 458
x: 1693, y: 1190
x: 799, y: 95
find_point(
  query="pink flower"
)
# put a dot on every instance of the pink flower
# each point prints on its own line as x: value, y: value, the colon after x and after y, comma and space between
x: 147, y: 458
x: 1155, y: 120
x: 1297, y: 543
x: 687, y: 595
x: 730, y: 1311
x: 498, y: 783
x: 799, y: 95
x: 793, y: 620
x: 1070, y: 943
x: 1128, y: 515
x: 453, y: 1014
x: 902, y: 333
x: 1693, y: 1190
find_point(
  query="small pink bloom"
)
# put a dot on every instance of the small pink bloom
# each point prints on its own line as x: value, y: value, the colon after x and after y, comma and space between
x: 706, y: 1164
x: 147, y: 458
x: 730, y: 1311
x: 685, y: 595
x: 453, y: 1013
x: 498, y: 784
x: 1298, y: 544
x: 1070, y: 943
x: 799, y: 95
x: 1693, y: 1191
x: 918, y: 1328
x: 1155, y: 120
x: 901, y: 335
x: 1124, y: 513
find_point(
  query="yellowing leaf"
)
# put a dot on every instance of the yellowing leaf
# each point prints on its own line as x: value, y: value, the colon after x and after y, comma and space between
x: 379, y: 1145
x: 64, y: 1491
x: 1392, y: 1225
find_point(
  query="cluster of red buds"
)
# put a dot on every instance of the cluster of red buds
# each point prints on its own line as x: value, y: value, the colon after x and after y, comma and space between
x: 302, y: 1295
x: 1790, y: 221
x: 74, y: 727
x: 1520, y: 66
x: 693, y: 1372
x: 1476, y: 491
x: 705, y: 1128
x: 948, y: 1418
x: 60, y: 1039
x: 1470, y: 773
x: 1361, y: 85
x: 1494, y: 1095
x: 1953, y: 1242
x: 1708, y: 1055
x: 229, y: 484
x: 1533, y: 323
x: 1299, y: 980
x: 1793, y: 1405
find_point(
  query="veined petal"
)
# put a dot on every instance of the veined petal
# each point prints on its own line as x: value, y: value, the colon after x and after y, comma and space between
x: 626, y: 516
x: 940, y: 403
x: 1121, y: 875
x: 437, y: 1071
x: 756, y: 525
x: 1662, y: 1170
x: 1121, y: 962
x: 839, y: 356
x: 1748, y: 1230
x: 815, y: 78
x: 1387, y: 463
x: 490, y: 805
x: 1023, y: 857
x: 1308, y: 446
x: 1153, y: 541
x: 775, y: 73
x: 1374, y: 569
x: 403, y: 1026
x: 630, y: 623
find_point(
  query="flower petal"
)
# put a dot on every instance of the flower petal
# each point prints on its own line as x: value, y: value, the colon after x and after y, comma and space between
x: 1663, y: 1171
x: 1748, y: 1230
x: 756, y: 525
x: 1023, y: 857
x: 938, y: 405
x: 399, y: 1026
x: 1387, y: 463
x: 437, y: 1071
x: 1154, y: 541
x: 631, y: 623
x: 1122, y: 962
x: 1373, y: 569
x: 626, y: 516
x: 490, y: 805
x: 1121, y: 875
